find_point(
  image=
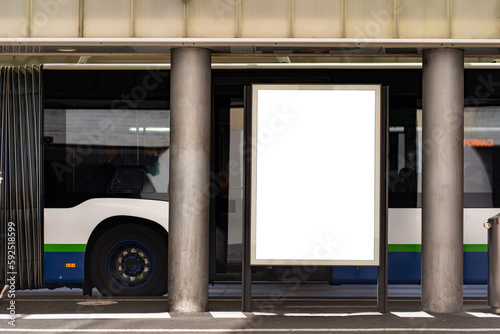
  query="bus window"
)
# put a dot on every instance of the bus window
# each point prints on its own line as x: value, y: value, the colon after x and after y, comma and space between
x: 481, y: 149
x: 481, y: 152
x: 405, y: 184
x: 85, y: 147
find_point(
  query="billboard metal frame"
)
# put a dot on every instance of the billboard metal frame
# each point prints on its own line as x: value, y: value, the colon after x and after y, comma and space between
x: 373, y: 147
x: 383, y: 109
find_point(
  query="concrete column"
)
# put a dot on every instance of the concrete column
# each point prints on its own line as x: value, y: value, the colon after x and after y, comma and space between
x: 442, y: 180
x: 188, y: 248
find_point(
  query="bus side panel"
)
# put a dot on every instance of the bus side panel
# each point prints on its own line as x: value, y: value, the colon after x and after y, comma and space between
x: 403, y: 268
x: 404, y: 257
x: 64, y: 267
x: 475, y: 267
x: 67, y: 232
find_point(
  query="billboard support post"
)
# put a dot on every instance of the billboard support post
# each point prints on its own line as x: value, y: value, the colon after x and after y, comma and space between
x: 246, y: 271
x: 382, y: 274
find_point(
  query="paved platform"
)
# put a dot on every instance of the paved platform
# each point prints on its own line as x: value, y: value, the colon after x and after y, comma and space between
x: 300, y: 310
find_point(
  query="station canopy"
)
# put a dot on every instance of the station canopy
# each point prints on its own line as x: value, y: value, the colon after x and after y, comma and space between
x: 246, y: 31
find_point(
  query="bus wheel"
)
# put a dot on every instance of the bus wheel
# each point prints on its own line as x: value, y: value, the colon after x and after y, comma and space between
x: 129, y: 260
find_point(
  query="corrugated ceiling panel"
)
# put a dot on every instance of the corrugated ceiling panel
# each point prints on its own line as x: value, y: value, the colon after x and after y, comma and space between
x: 55, y: 18
x: 159, y: 18
x: 423, y: 19
x: 265, y: 18
x: 463, y: 19
x: 212, y: 18
x: 107, y: 18
x: 475, y: 19
x: 317, y: 18
x: 13, y: 18
x: 369, y: 19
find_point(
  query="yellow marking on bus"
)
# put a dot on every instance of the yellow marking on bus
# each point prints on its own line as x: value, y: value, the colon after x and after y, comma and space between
x: 70, y: 265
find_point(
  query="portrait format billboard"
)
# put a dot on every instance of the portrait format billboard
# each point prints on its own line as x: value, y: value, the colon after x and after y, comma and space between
x: 316, y: 153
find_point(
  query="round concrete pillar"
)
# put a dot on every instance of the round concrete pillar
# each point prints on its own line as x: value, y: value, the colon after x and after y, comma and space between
x: 442, y: 180
x: 188, y: 247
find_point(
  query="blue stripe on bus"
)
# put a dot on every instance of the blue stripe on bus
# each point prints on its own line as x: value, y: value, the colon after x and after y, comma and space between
x: 64, y: 267
x: 405, y: 268
x: 475, y: 267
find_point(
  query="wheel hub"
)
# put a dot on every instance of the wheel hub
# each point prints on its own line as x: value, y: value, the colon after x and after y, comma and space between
x: 132, y: 264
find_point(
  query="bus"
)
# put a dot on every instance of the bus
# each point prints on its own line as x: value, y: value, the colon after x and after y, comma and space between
x: 100, y: 179
x: 106, y: 176
x: 106, y: 189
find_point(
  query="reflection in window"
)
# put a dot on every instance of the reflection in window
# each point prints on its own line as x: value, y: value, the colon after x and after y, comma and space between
x: 481, y: 158
x: 405, y: 182
x: 85, y: 147
x: 236, y: 187
x: 481, y: 154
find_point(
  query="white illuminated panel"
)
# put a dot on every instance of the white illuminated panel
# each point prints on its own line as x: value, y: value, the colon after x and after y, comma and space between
x: 315, y: 174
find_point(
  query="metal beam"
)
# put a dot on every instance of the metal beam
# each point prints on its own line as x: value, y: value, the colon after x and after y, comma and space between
x: 269, y: 42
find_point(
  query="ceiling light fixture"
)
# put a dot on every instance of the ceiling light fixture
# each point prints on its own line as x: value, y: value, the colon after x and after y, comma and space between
x: 66, y: 50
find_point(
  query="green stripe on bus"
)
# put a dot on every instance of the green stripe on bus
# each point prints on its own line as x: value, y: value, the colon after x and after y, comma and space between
x: 404, y: 248
x: 65, y: 247
x: 476, y: 248
x: 418, y: 248
x: 391, y: 248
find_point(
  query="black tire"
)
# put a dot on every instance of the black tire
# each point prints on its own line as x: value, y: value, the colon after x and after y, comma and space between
x: 129, y: 260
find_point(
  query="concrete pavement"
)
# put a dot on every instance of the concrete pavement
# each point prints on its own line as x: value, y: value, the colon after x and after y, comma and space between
x: 66, y: 311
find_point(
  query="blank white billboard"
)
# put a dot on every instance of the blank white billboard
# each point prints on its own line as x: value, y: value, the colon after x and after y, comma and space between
x: 315, y: 174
